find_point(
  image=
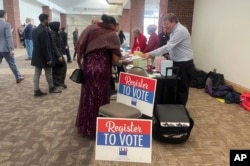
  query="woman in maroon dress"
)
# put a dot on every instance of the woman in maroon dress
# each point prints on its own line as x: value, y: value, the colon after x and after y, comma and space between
x: 97, y: 47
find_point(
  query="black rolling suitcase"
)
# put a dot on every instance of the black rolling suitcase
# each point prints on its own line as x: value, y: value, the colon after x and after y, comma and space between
x: 171, y: 123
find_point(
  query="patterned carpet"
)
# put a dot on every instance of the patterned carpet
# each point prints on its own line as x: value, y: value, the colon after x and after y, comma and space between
x: 40, y: 131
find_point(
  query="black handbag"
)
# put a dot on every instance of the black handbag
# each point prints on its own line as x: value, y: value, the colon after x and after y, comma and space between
x: 77, y: 76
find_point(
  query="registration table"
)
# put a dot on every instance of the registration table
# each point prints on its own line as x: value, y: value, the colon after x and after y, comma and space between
x: 166, y: 88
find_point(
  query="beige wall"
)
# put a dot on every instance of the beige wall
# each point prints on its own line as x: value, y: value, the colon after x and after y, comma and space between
x: 55, y: 16
x: 30, y: 9
x: 221, y: 38
x: 80, y: 22
x: 77, y: 21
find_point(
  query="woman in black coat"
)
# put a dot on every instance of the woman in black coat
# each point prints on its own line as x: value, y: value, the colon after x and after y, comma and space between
x: 60, y: 68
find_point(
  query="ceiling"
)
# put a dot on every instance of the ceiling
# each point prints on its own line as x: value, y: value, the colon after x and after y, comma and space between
x: 98, y: 7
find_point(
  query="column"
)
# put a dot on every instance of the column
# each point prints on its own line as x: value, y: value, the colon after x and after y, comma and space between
x: 13, y: 17
x: 162, y: 12
x: 183, y: 10
x: 136, y: 16
x: 124, y: 21
x: 63, y: 20
x: 47, y: 10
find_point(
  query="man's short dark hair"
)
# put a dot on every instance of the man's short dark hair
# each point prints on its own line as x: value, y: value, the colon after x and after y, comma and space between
x: 171, y: 17
x: 63, y: 29
x: 2, y: 13
x: 43, y: 17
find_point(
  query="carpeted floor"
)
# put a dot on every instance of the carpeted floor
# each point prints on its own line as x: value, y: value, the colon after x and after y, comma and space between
x: 40, y: 131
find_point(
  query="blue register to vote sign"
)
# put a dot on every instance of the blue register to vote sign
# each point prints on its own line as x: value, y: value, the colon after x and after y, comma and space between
x: 127, y: 140
x: 137, y: 91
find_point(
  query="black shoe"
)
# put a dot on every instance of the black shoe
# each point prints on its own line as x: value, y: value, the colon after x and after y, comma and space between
x: 39, y: 93
x: 54, y: 90
x: 69, y: 61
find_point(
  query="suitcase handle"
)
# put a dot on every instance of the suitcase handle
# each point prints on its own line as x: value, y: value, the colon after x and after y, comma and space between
x: 175, y: 76
x: 175, y: 70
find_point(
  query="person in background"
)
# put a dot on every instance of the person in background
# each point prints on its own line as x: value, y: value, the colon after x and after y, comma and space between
x: 180, y: 50
x: 97, y: 47
x: 153, y: 42
x: 140, y: 41
x: 163, y: 36
x: 42, y: 57
x: 121, y: 62
x: 94, y: 21
x: 20, y: 31
x: 121, y: 37
x: 118, y: 65
x: 7, y: 46
x: 75, y: 38
x: 59, y: 70
x: 64, y: 37
x: 28, y: 38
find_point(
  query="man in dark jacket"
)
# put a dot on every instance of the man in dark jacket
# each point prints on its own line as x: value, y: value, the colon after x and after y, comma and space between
x: 163, y: 37
x: 75, y: 38
x: 42, y: 56
x: 59, y: 70
x: 121, y: 37
x: 64, y: 37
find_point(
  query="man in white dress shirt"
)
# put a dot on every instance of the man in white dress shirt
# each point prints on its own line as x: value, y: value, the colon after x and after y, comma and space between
x: 180, y: 51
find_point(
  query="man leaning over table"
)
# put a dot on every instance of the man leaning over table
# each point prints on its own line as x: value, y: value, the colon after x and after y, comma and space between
x: 180, y: 50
